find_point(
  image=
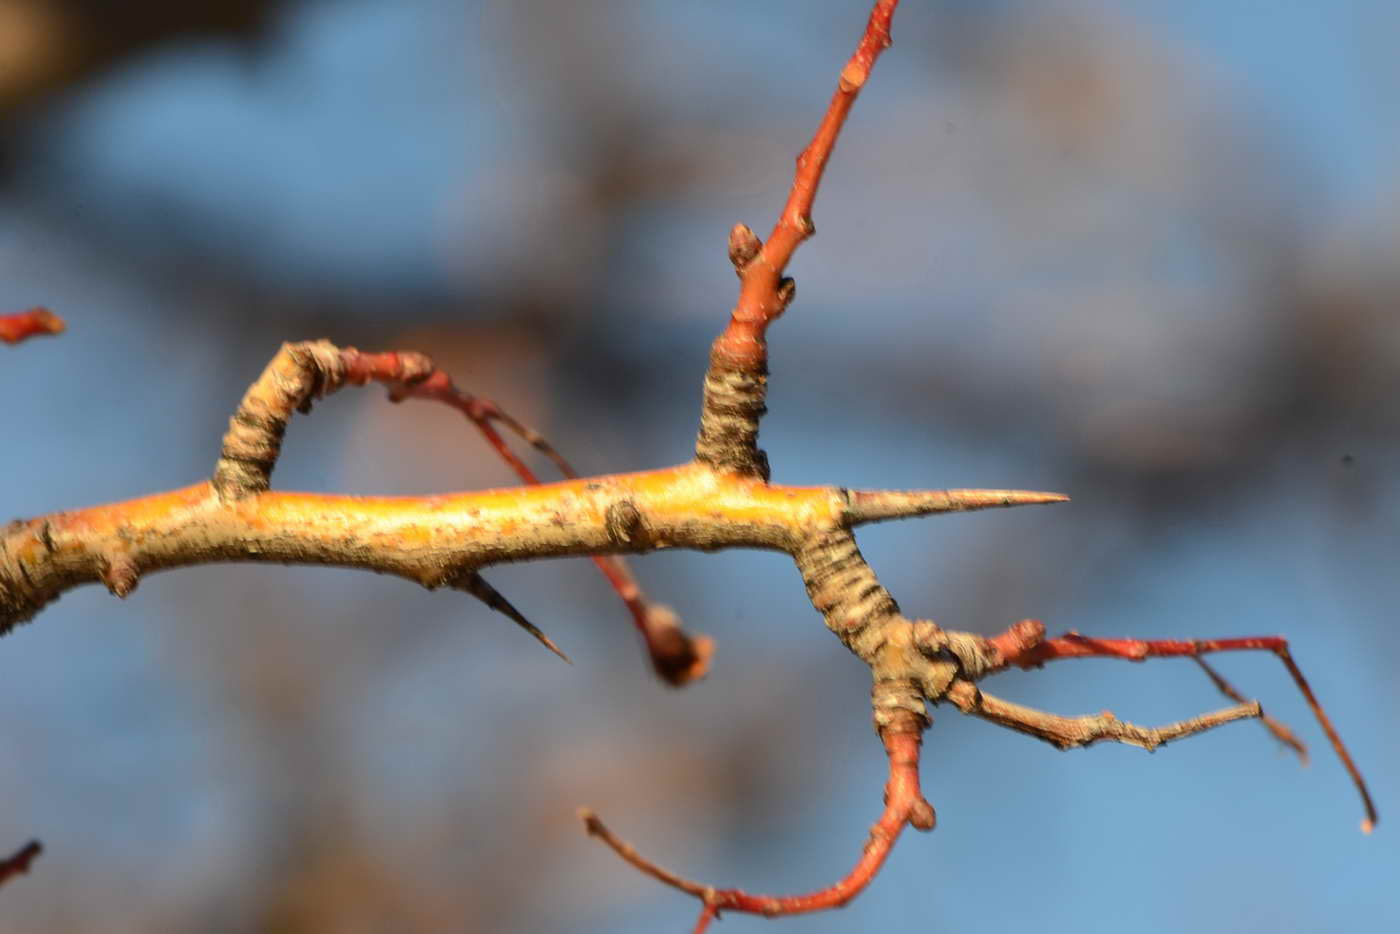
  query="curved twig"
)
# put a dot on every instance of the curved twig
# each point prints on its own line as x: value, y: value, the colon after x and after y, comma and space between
x: 904, y: 805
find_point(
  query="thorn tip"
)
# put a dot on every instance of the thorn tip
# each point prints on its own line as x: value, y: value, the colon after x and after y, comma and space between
x: 877, y: 505
x: 477, y: 586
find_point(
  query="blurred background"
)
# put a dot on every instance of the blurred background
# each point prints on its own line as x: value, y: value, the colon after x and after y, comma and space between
x: 1144, y: 253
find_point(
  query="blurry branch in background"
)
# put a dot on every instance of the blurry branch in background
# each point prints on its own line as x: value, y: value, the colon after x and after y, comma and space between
x: 22, y: 325
x: 18, y: 863
x: 723, y: 498
x: 50, y: 46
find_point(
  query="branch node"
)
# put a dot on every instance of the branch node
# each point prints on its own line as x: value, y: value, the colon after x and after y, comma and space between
x: 853, y: 76
x: 624, y: 522
x: 922, y: 816
x: 1019, y: 638
x: 744, y: 245
x: 119, y: 574
x: 787, y: 291
x: 735, y: 400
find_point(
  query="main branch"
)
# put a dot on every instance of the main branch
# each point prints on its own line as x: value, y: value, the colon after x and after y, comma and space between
x: 435, y: 541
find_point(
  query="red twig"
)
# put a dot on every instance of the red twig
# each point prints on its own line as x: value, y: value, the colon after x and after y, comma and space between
x: 904, y: 804
x: 18, y: 863
x: 763, y: 295
x: 1023, y: 646
x: 676, y: 657
x: 707, y: 914
x: 22, y: 325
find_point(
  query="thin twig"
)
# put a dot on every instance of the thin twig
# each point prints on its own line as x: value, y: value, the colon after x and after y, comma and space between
x: 761, y: 297
x: 707, y: 914
x: 1036, y: 652
x: 1072, y: 732
x: 22, y: 325
x: 1277, y: 727
x: 19, y: 862
x: 904, y: 804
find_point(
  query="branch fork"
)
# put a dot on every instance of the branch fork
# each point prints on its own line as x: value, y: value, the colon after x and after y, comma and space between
x: 721, y: 499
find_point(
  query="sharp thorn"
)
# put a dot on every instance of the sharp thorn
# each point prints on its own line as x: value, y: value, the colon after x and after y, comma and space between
x: 477, y: 586
x: 878, y: 505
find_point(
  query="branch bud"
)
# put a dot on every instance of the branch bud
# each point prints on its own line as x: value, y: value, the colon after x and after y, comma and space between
x: 787, y: 291
x: 743, y: 246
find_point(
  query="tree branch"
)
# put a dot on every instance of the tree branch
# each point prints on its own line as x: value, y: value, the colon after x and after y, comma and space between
x: 434, y: 541
x: 722, y: 499
x: 677, y: 657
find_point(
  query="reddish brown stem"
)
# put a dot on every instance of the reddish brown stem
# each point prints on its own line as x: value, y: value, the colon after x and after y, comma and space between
x: 762, y: 296
x: 676, y: 657
x: 22, y: 325
x: 904, y: 804
x: 18, y: 863
x: 1020, y: 646
x: 707, y: 914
